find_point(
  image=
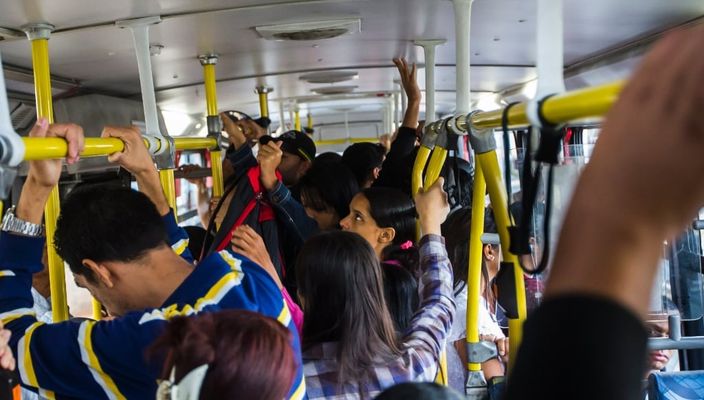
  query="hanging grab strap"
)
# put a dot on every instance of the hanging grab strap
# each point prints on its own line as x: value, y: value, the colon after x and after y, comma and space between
x: 551, y: 137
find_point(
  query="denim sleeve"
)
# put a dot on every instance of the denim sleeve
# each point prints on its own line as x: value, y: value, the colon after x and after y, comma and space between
x: 292, y: 213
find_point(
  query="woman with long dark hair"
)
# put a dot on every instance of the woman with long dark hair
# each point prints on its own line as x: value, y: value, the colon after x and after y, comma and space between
x: 386, y: 218
x: 350, y: 346
x: 456, y: 231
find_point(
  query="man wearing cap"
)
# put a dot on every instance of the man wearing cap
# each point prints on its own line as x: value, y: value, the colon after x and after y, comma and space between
x: 291, y: 156
x: 298, y: 150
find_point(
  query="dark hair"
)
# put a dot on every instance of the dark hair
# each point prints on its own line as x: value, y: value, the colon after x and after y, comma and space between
x: 401, y: 293
x: 327, y: 157
x: 329, y: 185
x: 391, y: 208
x: 419, y: 391
x: 362, y: 158
x: 107, y: 223
x: 340, y: 281
x: 249, y: 355
x: 456, y: 232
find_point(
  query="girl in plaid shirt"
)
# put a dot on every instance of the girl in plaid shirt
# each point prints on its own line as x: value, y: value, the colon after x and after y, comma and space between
x: 351, y: 349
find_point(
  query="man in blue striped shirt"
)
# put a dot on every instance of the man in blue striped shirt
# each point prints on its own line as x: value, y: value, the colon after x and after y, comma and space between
x: 126, y: 249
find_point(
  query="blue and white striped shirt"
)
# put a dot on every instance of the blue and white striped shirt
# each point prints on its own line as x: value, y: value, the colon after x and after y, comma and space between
x: 105, y: 359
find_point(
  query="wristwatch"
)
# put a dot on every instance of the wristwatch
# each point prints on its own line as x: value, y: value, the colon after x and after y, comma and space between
x: 12, y: 224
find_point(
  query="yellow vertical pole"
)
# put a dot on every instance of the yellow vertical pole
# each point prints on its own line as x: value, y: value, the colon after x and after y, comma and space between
x: 39, y: 34
x: 263, y: 93
x: 437, y: 161
x: 310, y: 121
x: 166, y: 176
x: 297, y: 119
x: 474, y: 274
x: 211, y: 99
x: 497, y: 193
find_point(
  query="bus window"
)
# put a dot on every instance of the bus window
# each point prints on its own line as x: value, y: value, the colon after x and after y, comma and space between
x: 685, y: 261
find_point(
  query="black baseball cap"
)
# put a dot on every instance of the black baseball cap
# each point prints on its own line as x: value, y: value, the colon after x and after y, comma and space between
x: 294, y: 142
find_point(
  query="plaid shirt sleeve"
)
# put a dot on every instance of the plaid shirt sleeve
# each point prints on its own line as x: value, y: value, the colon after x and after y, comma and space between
x: 430, y: 326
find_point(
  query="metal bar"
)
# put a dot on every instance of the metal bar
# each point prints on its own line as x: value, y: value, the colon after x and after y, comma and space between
x: 474, y: 274
x: 437, y: 161
x: 51, y: 148
x: 429, y: 50
x: 297, y: 119
x: 198, y: 143
x: 39, y: 37
x: 571, y: 106
x: 263, y: 93
x: 686, y: 343
x: 166, y: 176
x: 211, y: 99
x: 327, y: 142
x: 489, y: 164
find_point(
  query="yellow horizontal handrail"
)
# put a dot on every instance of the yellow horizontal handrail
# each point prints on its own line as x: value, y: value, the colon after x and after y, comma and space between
x: 328, y: 142
x: 48, y: 148
x: 571, y: 106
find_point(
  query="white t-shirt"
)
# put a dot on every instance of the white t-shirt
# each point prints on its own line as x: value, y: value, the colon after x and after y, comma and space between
x: 487, y: 322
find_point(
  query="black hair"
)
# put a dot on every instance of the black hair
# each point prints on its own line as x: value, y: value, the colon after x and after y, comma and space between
x: 327, y: 157
x: 419, y: 391
x: 391, y: 208
x: 401, y: 293
x: 362, y: 159
x: 340, y: 281
x: 107, y: 223
x: 456, y: 230
x: 329, y: 185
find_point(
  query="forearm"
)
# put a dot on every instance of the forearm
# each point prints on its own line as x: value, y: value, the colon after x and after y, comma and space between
x: 410, y: 119
x: 150, y: 185
x: 605, y: 251
x: 30, y: 206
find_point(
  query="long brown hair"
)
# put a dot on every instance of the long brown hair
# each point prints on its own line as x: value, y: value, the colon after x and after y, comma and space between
x: 249, y: 355
x: 341, y: 285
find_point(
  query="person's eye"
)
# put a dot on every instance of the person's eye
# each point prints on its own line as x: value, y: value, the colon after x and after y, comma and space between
x: 358, y: 217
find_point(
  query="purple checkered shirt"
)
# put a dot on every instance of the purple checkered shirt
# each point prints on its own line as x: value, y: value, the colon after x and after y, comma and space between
x: 421, y: 346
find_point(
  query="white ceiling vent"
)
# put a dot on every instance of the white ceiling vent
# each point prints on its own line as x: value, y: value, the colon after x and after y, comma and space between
x: 313, y: 30
x: 334, y: 90
x: 329, y: 76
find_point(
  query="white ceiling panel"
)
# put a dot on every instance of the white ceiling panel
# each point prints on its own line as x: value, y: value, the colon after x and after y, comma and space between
x: 88, y: 48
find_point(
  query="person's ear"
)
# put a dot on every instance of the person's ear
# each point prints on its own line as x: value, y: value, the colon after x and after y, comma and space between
x: 386, y: 235
x: 489, y: 253
x: 376, y: 172
x: 100, y: 272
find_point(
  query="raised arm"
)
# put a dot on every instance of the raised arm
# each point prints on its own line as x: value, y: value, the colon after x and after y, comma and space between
x: 644, y: 183
x: 432, y: 322
x: 136, y: 159
x: 409, y: 82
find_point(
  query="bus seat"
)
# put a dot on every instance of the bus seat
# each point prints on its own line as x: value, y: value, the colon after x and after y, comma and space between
x: 684, y: 385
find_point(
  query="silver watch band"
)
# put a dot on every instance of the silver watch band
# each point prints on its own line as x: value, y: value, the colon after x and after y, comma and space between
x: 10, y: 223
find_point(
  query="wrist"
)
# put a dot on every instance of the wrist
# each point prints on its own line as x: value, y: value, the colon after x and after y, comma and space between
x: 430, y: 227
x: 268, y: 180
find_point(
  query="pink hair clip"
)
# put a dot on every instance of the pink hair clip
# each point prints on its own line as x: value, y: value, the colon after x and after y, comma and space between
x: 406, y: 245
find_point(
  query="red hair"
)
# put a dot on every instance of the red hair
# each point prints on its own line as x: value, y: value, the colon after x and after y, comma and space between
x: 249, y: 355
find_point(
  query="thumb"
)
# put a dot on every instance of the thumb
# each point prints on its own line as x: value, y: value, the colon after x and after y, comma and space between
x: 277, y: 144
x: 40, y: 128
